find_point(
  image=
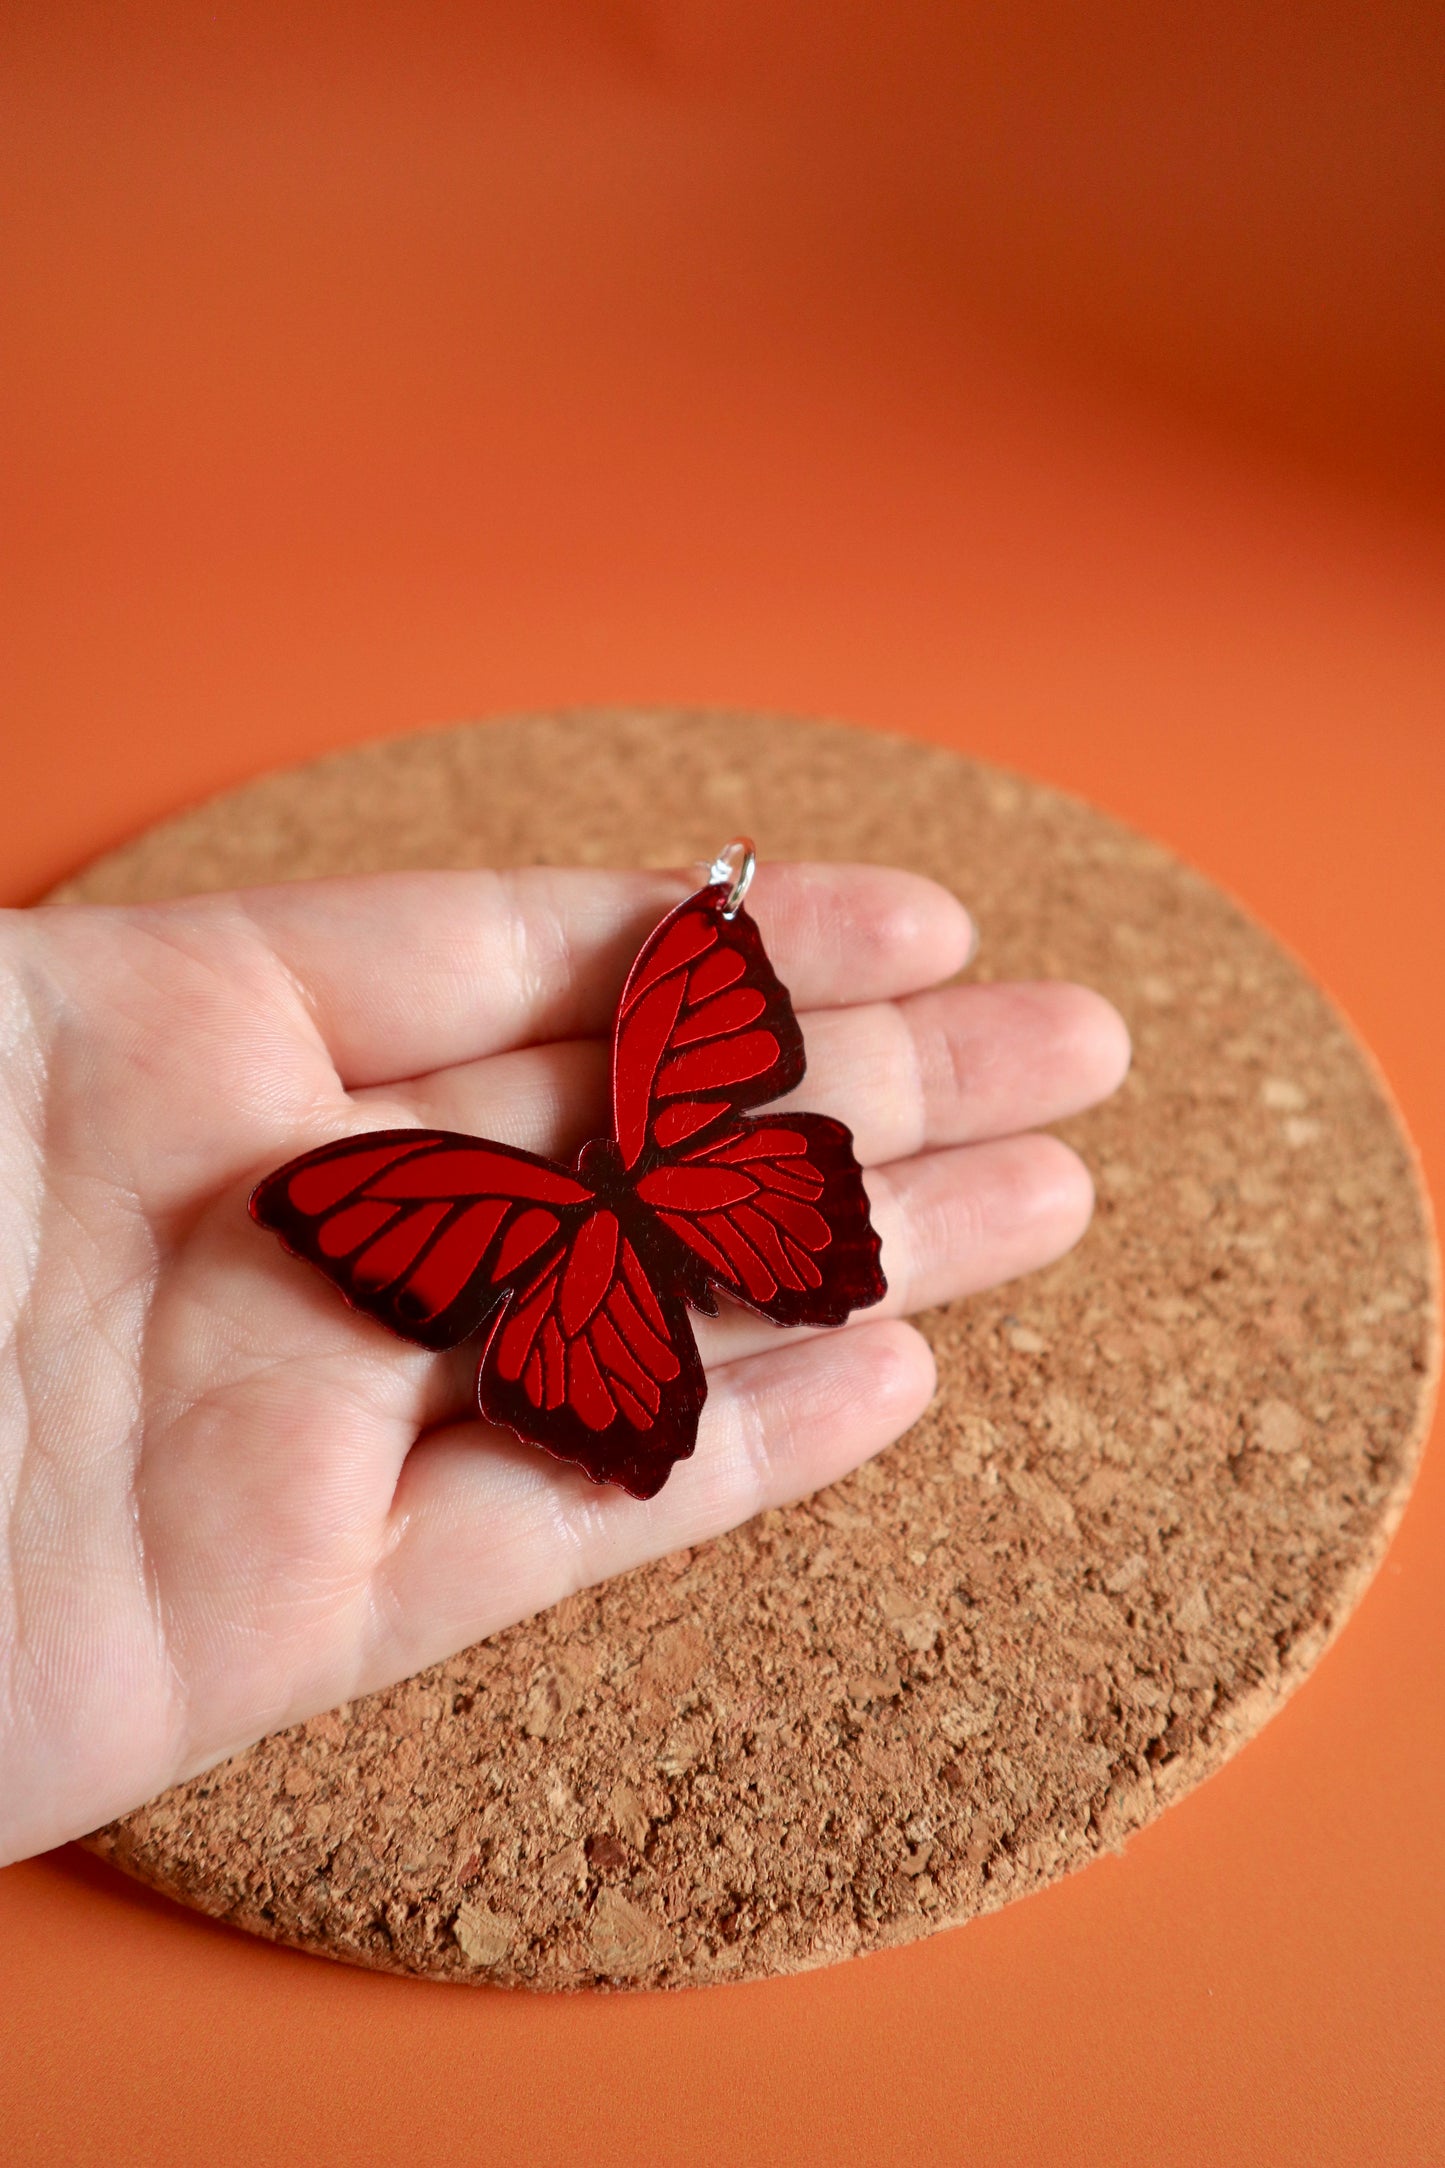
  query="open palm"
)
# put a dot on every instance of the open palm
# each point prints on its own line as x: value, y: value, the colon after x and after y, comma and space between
x: 229, y: 1500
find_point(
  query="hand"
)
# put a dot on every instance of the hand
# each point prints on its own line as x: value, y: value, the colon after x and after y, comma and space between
x: 229, y: 1501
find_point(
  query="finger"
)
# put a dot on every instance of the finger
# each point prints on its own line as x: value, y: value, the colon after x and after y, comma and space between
x: 488, y: 1531
x: 951, y: 1224
x: 961, y: 1064
x: 409, y: 972
x: 949, y: 1067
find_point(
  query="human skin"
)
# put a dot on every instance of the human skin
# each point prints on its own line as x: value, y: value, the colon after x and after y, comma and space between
x: 230, y: 1501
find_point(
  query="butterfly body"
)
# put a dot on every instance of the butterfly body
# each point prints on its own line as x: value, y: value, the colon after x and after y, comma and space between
x: 581, y: 1277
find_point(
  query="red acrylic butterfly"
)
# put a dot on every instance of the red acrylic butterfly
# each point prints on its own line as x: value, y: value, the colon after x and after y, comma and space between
x: 581, y: 1277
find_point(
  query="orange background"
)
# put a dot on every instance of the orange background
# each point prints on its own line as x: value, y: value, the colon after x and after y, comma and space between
x: 1055, y: 382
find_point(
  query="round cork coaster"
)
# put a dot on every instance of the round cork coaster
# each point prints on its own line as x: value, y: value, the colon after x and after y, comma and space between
x: 1156, y: 1478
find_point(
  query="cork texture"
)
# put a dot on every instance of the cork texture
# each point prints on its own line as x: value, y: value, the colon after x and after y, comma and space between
x: 1156, y: 1478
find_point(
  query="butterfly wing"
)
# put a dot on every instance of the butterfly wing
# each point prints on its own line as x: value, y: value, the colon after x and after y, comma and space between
x: 596, y: 1362
x: 775, y: 1212
x: 704, y: 1029
x: 423, y: 1229
x: 431, y: 1232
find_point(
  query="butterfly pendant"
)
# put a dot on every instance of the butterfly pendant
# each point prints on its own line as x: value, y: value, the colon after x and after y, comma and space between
x: 581, y: 1277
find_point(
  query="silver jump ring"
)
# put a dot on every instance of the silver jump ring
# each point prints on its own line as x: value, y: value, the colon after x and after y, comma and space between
x: 736, y: 862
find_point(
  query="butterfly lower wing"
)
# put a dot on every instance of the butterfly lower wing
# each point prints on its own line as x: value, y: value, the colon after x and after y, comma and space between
x: 774, y: 1212
x: 704, y: 1029
x: 593, y: 1361
x: 425, y: 1230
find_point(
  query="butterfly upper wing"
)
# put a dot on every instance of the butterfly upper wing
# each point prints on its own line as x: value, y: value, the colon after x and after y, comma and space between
x: 430, y: 1232
x: 704, y: 1029
x: 775, y: 1212
x: 597, y: 1362
x: 421, y: 1228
